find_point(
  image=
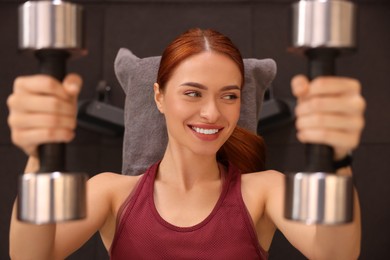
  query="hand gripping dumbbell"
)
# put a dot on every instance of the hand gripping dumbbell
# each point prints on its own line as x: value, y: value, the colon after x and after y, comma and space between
x: 51, y: 30
x: 322, y: 30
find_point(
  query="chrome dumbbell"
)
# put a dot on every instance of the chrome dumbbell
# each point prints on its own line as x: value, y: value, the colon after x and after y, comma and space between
x: 52, y: 31
x: 322, y: 30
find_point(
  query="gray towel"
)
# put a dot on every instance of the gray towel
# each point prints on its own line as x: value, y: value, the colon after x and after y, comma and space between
x: 145, y: 136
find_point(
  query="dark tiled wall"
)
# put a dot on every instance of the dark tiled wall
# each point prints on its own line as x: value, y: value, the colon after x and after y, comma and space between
x: 260, y: 29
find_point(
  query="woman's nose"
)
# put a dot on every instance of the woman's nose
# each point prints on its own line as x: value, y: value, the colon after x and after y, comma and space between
x: 210, y: 111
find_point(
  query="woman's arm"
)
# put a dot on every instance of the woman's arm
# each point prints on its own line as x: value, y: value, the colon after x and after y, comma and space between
x: 329, y: 111
x: 42, y: 110
x: 314, y: 241
x: 340, y: 240
x: 57, y: 241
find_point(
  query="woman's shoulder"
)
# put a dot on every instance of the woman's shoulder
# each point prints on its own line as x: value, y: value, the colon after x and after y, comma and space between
x: 116, y: 187
x: 259, y: 185
x: 111, y: 180
x: 267, y: 177
x: 256, y: 189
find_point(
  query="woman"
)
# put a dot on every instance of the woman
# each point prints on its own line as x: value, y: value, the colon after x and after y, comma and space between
x: 194, y: 203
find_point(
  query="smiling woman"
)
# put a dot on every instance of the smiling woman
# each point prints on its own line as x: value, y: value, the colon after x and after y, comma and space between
x: 208, y: 108
x: 204, y: 68
x: 194, y: 202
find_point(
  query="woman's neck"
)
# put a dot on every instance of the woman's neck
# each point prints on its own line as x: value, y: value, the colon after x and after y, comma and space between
x: 186, y: 169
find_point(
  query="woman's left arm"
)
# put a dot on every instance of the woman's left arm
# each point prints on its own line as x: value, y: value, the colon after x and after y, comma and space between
x: 330, y: 111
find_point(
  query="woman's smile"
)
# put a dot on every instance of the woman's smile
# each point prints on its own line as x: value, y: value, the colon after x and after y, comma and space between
x: 206, y: 133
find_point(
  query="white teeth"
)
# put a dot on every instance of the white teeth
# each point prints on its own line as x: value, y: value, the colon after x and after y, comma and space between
x: 205, y: 131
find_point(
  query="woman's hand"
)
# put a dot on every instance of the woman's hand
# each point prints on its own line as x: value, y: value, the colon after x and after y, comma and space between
x: 330, y: 110
x: 42, y: 110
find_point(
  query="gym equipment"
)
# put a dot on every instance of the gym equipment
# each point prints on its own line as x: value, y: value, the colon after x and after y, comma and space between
x: 322, y: 30
x: 99, y: 115
x: 275, y: 113
x: 52, y: 31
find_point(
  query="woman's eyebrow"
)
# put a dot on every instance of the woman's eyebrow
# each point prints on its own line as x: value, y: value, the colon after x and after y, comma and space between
x: 195, y: 85
x: 231, y: 87
x: 201, y: 86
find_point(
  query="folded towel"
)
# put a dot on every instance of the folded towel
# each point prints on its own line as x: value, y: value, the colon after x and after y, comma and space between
x: 145, y: 136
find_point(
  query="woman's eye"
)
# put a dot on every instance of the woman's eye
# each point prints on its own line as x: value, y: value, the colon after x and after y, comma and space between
x: 192, y: 94
x: 230, y: 96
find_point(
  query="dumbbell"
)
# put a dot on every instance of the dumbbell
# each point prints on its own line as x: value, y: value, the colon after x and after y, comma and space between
x: 322, y: 31
x: 52, y: 31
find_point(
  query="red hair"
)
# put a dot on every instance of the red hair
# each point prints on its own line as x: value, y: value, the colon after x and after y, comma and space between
x: 192, y: 42
x: 243, y: 148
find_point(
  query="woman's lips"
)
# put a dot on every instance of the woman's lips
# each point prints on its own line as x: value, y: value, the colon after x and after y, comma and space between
x: 206, y: 133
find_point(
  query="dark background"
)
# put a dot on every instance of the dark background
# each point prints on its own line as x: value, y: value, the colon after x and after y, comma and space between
x: 261, y: 29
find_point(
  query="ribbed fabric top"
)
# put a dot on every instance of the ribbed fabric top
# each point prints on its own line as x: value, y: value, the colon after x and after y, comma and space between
x: 226, y: 233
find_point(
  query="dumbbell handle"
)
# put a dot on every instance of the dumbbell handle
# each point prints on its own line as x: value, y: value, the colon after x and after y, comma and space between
x: 321, y: 63
x: 52, y: 62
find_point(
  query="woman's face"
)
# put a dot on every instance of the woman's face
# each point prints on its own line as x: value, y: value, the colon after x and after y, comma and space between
x: 201, y: 103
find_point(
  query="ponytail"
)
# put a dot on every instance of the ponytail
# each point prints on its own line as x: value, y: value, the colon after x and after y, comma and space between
x: 245, y: 150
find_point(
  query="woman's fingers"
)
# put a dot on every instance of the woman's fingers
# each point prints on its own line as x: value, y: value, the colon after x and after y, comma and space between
x: 300, y: 86
x: 324, y: 85
x: 40, y: 84
x: 330, y: 121
x: 29, y: 139
x: 343, y: 104
x: 339, y: 140
x: 329, y: 85
x: 329, y: 111
x: 31, y: 103
x: 46, y: 85
x: 18, y: 120
x: 42, y: 110
x: 341, y: 132
x: 72, y: 85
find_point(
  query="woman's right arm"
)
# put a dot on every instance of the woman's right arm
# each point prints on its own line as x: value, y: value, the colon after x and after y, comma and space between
x: 57, y: 241
x: 42, y: 110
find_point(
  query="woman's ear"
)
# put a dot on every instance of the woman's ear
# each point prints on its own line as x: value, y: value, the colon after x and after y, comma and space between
x: 158, y: 97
